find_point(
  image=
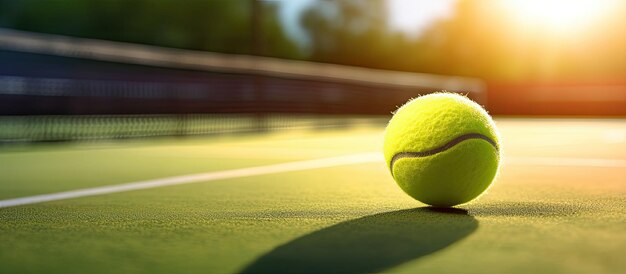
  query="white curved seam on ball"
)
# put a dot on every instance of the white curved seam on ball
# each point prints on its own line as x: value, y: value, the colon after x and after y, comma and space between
x: 448, y: 145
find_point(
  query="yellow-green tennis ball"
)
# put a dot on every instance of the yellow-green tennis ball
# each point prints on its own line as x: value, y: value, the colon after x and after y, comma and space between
x: 442, y: 149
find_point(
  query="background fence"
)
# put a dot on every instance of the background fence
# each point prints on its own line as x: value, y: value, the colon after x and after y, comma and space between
x: 57, y: 128
x: 58, y: 88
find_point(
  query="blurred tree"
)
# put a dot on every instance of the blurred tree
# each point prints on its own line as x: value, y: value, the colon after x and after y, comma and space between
x: 216, y: 25
x: 479, y: 40
x: 350, y: 32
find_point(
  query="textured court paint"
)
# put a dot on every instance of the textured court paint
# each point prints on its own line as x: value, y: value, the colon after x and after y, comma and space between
x: 211, y: 176
x: 558, y: 208
x: 51, y: 168
x: 561, y: 226
x: 196, y: 178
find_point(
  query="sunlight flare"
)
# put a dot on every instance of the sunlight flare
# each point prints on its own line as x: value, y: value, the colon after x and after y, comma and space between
x: 558, y: 15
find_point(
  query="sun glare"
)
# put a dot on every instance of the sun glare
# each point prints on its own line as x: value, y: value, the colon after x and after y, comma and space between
x: 558, y: 15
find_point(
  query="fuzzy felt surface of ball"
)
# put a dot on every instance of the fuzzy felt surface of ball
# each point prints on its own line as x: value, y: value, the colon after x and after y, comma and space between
x: 442, y: 149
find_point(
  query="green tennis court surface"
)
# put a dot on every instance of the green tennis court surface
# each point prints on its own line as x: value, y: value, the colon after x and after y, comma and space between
x: 558, y: 206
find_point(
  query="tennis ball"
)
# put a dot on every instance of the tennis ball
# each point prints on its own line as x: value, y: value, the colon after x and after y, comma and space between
x: 442, y: 149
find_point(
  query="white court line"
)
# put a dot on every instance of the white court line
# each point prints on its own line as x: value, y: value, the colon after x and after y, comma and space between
x: 562, y: 161
x: 284, y: 167
x: 200, y: 177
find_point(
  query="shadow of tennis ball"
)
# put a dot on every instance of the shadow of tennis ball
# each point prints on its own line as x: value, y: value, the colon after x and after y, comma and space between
x: 369, y: 244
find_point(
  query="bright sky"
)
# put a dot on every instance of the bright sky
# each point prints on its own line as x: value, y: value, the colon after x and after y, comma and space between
x: 414, y: 16
x: 410, y: 16
x: 560, y: 17
x: 289, y: 12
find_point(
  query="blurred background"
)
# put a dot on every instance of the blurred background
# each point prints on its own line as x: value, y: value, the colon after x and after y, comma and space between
x: 82, y: 70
